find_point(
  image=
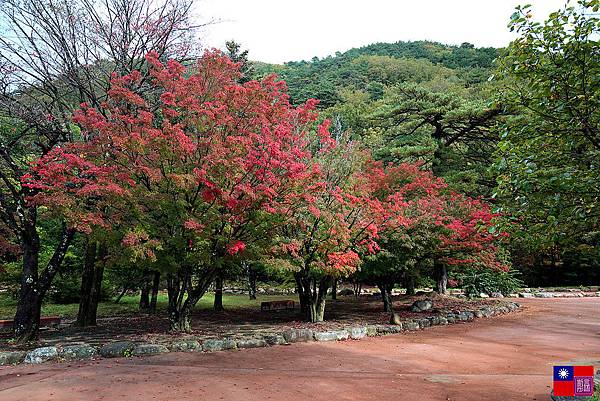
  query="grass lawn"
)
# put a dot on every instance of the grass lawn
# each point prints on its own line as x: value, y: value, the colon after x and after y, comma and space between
x: 129, y: 304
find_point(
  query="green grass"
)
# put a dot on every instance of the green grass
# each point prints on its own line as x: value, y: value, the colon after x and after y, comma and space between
x: 129, y: 304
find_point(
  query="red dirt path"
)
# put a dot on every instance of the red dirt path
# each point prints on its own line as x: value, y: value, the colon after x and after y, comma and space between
x: 503, y: 358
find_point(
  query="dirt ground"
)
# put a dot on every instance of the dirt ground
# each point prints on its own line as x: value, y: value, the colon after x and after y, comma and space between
x: 503, y: 358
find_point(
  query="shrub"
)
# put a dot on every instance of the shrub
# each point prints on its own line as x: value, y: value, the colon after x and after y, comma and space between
x: 10, y: 278
x: 474, y: 282
x: 65, y: 289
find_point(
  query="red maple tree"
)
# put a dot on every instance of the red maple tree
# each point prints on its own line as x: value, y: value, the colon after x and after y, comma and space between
x: 197, y: 181
x: 223, y: 170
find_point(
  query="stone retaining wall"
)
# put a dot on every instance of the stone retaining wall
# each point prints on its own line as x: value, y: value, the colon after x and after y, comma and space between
x: 81, y: 351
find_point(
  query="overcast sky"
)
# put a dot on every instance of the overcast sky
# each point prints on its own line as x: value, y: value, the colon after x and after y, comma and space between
x: 285, y: 30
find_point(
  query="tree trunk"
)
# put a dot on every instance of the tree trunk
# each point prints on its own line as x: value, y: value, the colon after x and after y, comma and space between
x: 184, y: 295
x: 317, y: 310
x: 390, y: 298
x: 334, y: 289
x: 33, y: 285
x: 145, y: 294
x: 218, y: 304
x: 317, y: 299
x: 27, y: 317
x: 410, y: 285
x: 312, y: 294
x: 91, y: 284
x: 441, y: 278
x: 174, y: 289
x: 179, y: 310
x: 385, y: 296
x: 356, y: 288
x: 155, y: 287
x: 303, y: 297
x: 180, y: 321
x: 251, y: 274
x: 97, y: 287
x: 87, y: 282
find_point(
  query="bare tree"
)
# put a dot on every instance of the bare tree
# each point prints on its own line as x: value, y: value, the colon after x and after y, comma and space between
x: 55, y: 55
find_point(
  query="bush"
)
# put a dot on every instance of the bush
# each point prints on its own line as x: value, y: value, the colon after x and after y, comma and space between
x: 474, y: 282
x: 65, y: 289
x: 10, y: 279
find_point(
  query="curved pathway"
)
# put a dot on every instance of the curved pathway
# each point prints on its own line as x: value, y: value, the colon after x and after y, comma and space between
x: 503, y: 358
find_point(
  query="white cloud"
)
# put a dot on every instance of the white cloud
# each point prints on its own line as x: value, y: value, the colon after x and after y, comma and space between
x: 284, y: 30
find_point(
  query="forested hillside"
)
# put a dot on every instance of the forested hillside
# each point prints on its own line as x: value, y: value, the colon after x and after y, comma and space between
x: 450, y: 107
x: 409, y: 101
x: 373, y: 67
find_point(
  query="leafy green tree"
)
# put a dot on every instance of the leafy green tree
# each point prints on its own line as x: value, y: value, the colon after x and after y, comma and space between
x: 547, y: 160
x: 449, y: 131
x: 404, y: 257
x: 234, y: 51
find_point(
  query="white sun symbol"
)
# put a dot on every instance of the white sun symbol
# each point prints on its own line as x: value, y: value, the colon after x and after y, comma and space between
x: 563, y: 373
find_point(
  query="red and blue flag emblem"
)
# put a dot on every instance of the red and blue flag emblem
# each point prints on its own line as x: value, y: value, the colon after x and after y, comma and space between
x: 573, y: 380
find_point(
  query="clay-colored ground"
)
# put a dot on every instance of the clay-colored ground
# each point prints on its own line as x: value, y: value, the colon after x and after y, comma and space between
x: 503, y: 358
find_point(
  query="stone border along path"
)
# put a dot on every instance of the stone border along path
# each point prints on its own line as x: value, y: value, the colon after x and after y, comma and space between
x: 81, y: 351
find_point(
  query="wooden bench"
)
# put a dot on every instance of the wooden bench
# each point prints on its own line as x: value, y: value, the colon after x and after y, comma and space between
x: 277, y: 305
x: 46, y: 321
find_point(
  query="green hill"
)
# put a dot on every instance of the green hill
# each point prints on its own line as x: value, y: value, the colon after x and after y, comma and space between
x: 372, y: 68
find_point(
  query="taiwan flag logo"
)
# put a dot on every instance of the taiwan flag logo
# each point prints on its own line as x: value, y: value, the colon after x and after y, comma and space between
x: 573, y: 381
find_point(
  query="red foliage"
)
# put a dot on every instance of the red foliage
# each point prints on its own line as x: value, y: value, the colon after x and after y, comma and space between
x: 226, y: 165
x: 407, y: 198
x: 219, y: 156
x: 471, y: 238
